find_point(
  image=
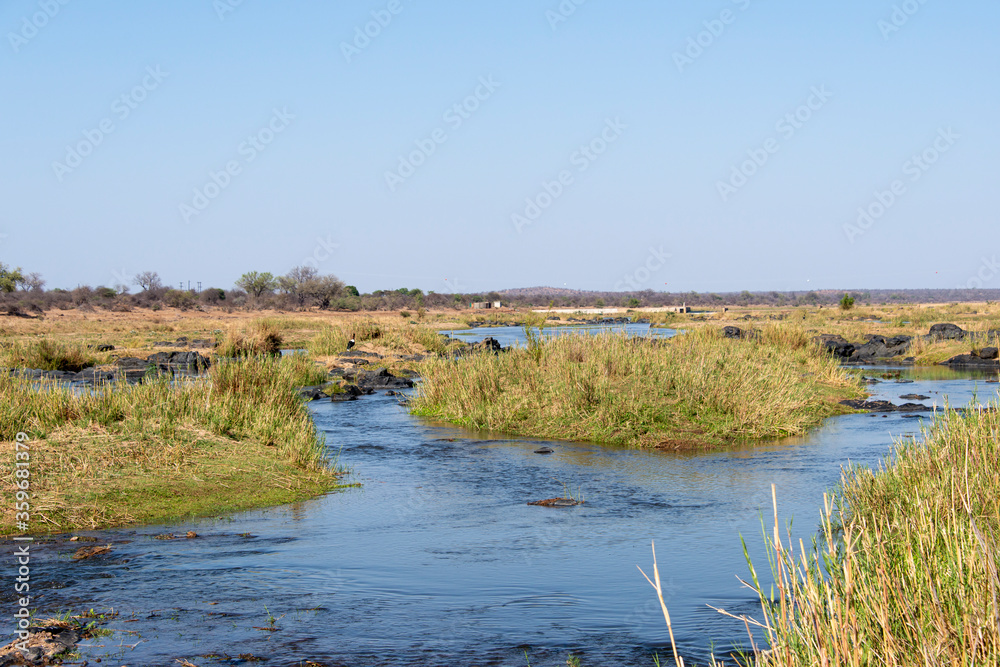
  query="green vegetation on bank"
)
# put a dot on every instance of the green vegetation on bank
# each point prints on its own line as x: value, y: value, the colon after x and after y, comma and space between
x: 49, y: 355
x: 163, y: 450
x: 907, y: 570
x: 695, y: 390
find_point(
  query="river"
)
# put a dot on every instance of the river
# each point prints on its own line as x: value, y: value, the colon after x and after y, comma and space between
x: 438, y: 560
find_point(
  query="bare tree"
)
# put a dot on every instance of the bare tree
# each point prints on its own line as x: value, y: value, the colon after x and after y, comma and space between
x: 33, y: 282
x: 148, y: 280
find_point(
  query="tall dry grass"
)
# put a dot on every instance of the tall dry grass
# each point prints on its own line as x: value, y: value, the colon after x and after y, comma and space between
x: 256, y: 337
x: 697, y: 389
x: 906, y: 570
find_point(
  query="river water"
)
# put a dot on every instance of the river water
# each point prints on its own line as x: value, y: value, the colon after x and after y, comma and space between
x: 438, y: 560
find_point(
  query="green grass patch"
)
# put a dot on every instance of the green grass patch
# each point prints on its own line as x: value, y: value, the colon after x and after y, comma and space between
x: 695, y: 390
x: 159, y: 451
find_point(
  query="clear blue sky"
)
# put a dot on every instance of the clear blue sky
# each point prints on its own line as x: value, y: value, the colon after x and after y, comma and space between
x: 667, y: 121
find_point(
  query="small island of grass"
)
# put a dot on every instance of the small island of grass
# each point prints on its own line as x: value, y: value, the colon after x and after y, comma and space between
x: 696, y: 390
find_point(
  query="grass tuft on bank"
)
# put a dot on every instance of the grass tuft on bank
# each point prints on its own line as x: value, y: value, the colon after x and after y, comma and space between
x: 163, y: 450
x: 907, y: 570
x: 693, y: 391
x: 49, y: 355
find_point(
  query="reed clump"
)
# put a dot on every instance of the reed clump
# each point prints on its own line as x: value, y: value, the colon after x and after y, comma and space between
x: 257, y: 337
x: 160, y: 450
x: 387, y: 335
x: 906, y: 569
x: 49, y: 355
x: 695, y: 390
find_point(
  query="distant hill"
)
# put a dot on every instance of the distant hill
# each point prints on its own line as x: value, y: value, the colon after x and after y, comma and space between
x: 537, y: 292
x: 563, y: 296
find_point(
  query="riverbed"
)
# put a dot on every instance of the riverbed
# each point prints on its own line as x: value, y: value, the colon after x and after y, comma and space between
x: 438, y: 560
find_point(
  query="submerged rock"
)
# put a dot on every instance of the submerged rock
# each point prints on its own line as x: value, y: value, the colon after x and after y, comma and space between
x: 556, y: 502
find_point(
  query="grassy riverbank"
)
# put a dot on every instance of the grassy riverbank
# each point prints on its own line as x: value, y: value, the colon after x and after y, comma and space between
x: 912, y: 561
x: 695, y: 390
x: 159, y: 451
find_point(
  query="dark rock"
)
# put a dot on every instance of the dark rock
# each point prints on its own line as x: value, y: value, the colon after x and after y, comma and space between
x: 312, y: 393
x: 947, y: 331
x: 835, y: 345
x: 971, y: 360
x: 203, y: 343
x: 732, y: 332
x: 879, y: 347
x: 915, y: 397
x: 988, y: 353
x: 163, y: 343
x: 883, y: 406
x: 391, y: 393
x: 488, y: 344
x: 337, y: 398
x: 380, y: 379
x: 544, y: 450
x: 180, y: 358
x: 993, y: 334
x: 132, y: 362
